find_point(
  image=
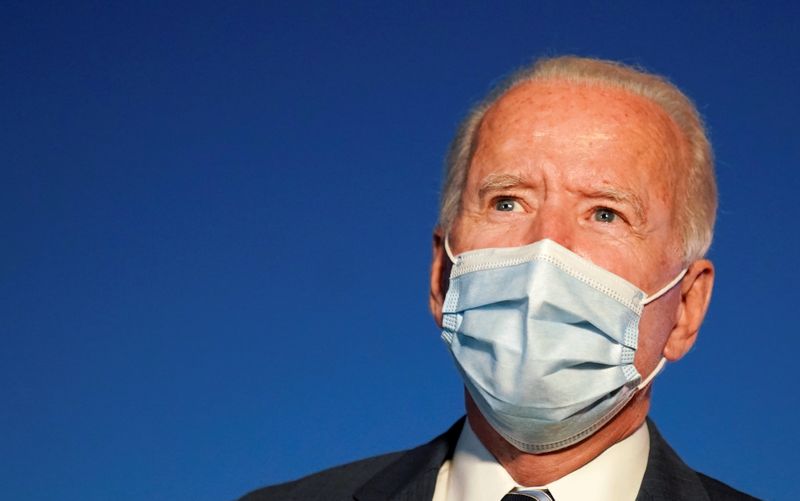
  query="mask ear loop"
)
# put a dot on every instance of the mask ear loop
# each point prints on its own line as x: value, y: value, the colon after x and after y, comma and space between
x: 675, y: 281
x: 661, y: 363
x: 648, y: 379
x: 447, y: 248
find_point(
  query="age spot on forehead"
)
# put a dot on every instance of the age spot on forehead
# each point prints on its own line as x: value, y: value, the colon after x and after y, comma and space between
x: 574, y: 140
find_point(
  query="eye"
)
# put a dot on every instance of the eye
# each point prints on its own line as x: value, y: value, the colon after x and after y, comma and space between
x: 604, y: 215
x: 507, y: 205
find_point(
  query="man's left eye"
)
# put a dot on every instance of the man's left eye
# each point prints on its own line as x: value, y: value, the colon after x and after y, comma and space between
x: 604, y: 215
x: 507, y: 205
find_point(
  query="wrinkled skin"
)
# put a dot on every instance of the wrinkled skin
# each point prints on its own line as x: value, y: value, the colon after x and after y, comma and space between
x: 599, y: 171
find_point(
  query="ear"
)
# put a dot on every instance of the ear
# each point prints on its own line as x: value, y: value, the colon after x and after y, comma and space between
x: 696, y: 289
x: 440, y: 276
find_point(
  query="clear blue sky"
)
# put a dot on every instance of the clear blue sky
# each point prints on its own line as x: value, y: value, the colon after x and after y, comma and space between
x: 216, y: 229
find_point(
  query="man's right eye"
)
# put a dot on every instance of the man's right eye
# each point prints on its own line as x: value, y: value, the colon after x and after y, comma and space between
x: 507, y: 205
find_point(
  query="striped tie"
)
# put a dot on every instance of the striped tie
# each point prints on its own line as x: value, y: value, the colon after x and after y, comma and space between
x: 527, y: 495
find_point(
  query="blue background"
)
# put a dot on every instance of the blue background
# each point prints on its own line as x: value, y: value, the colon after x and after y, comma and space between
x: 216, y: 227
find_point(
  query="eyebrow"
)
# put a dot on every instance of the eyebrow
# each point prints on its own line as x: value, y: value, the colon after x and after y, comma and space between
x: 501, y: 182
x: 621, y: 196
x: 498, y: 182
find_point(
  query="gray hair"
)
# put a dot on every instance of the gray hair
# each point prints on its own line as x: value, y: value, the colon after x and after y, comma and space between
x: 698, y: 203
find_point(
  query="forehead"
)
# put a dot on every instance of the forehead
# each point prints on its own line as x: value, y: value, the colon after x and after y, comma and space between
x: 580, y: 130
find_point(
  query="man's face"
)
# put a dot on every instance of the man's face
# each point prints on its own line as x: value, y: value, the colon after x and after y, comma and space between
x: 592, y: 168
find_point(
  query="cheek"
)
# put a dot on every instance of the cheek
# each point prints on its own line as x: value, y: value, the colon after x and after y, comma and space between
x: 619, y: 256
x: 472, y: 231
x: 655, y: 326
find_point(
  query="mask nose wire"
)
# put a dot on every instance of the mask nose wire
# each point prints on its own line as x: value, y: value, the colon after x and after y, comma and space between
x: 675, y: 281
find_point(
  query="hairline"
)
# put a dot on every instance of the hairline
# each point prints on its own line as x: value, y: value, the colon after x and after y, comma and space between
x: 695, y: 229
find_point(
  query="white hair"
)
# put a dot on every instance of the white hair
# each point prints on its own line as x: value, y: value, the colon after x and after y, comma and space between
x: 697, y: 199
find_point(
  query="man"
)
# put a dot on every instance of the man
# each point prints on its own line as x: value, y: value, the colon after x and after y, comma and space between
x: 568, y: 267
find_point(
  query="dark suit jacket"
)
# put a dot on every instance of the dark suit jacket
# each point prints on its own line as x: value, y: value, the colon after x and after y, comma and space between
x: 411, y: 475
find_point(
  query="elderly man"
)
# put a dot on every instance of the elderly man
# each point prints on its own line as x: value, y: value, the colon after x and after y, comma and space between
x: 568, y: 268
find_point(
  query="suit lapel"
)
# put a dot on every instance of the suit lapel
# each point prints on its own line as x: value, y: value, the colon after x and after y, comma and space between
x: 667, y: 477
x: 413, y: 475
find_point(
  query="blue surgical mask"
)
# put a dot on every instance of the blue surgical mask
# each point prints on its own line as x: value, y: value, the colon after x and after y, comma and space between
x: 544, y: 341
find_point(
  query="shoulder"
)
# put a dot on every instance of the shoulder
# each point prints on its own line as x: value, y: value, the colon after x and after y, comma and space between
x: 412, y: 472
x: 668, y: 477
x: 334, y: 483
x: 719, y: 491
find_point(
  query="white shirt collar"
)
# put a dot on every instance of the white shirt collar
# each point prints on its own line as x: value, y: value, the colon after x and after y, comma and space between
x: 473, y: 474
